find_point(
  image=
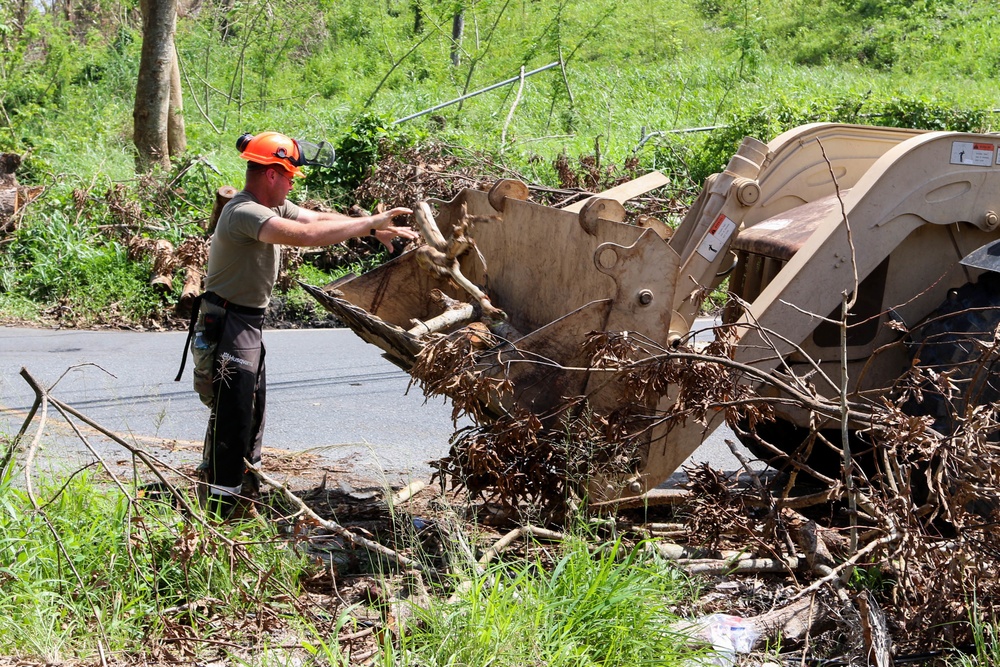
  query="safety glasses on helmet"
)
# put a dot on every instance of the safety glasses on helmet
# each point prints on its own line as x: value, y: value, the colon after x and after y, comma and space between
x: 300, y: 154
x: 310, y: 154
x: 317, y: 155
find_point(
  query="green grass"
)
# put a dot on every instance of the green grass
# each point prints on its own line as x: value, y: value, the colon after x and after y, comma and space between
x: 92, y: 571
x: 90, y: 567
x: 609, y: 608
x: 986, y: 641
x: 681, y: 64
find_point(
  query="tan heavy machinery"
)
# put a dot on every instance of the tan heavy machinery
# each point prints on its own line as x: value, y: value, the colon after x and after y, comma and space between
x: 795, y: 224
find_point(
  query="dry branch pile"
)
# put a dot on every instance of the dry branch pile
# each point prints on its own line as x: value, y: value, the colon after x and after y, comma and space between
x: 927, y: 503
x: 431, y: 171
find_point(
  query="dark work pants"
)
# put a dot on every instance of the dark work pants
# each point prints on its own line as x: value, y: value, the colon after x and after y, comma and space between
x: 236, y: 425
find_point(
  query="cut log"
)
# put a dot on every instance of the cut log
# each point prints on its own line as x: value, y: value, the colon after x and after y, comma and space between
x: 10, y: 195
x: 9, y: 200
x: 192, y: 288
x: 222, y: 197
x: 791, y: 623
x: 463, y: 314
x: 163, y: 266
x: 9, y: 203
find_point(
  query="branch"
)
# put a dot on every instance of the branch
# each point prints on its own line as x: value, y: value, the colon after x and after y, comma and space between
x: 336, y: 528
x: 510, y: 114
x: 440, y: 257
x: 392, y: 69
x: 509, y: 538
x: 141, y: 454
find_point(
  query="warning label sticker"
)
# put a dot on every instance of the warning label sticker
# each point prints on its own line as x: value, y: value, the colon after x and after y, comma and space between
x: 717, y: 235
x: 967, y: 152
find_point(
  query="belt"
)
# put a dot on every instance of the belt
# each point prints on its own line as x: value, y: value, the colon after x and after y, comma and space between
x: 214, y: 298
x: 217, y: 300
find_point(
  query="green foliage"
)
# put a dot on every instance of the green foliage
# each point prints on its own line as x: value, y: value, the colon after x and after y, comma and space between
x: 873, y: 579
x: 54, y: 261
x: 986, y: 641
x: 369, y: 138
x: 710, y: 153
x: 608, y: 608
x: 342, y: 71
x: 928, y: 115
x: 72, y: 255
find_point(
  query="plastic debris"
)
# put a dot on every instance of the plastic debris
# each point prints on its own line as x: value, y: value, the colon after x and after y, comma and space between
x: 728, y: 635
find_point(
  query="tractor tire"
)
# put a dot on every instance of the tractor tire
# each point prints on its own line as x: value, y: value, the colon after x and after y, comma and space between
x: 960, y: 338
x: 957, y: 338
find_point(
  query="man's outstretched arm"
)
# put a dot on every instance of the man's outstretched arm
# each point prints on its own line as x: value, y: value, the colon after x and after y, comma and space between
x: 314, y: 228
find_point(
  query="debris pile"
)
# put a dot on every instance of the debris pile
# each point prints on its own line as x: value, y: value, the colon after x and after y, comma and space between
x: 903, y: 545
x: 429, y: 171
x: 906, y: 567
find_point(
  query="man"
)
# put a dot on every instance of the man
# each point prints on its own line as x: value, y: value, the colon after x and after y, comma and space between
x: 242, y: 267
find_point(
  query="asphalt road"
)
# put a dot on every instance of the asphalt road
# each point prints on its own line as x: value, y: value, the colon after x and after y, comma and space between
x: 329, y: 393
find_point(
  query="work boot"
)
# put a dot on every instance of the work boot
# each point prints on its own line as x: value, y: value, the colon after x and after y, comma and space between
x: 244, y: 509
x: 231, y: 509
x: 250, y: 486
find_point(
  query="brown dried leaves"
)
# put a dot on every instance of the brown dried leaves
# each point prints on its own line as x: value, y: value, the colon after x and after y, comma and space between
x: 446, y: 366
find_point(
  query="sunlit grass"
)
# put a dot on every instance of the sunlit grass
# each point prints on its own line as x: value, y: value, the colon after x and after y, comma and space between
x: 90, y: 567
x: 609, y: 607
x: 631, y: 70
x: 92, y: 571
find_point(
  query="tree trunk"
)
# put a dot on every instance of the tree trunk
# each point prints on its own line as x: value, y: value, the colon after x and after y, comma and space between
x: 457, y: 28
x: 418, y: 18
x: 176, y: 138
x: 22, y: 15
x: 152, y: 92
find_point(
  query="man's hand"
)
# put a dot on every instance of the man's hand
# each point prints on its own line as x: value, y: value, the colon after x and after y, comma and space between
x: 385, y: 231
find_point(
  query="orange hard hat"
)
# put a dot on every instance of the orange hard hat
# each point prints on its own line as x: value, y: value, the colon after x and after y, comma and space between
x: 271, y: 148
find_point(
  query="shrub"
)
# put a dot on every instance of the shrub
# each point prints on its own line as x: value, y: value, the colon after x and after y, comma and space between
x: 368, y: 139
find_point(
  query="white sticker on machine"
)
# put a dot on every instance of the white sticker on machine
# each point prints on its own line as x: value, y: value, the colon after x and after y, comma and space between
x: 716, y: 238
x: 967, y: 152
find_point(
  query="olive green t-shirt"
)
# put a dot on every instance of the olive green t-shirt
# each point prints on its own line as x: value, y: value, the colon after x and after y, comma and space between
x: 242, y: 269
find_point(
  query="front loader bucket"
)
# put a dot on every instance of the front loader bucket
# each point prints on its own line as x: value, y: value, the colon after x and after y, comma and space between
x: 557, y: 274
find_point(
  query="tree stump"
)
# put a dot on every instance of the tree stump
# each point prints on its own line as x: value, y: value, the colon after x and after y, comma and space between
x: 222, y: 197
